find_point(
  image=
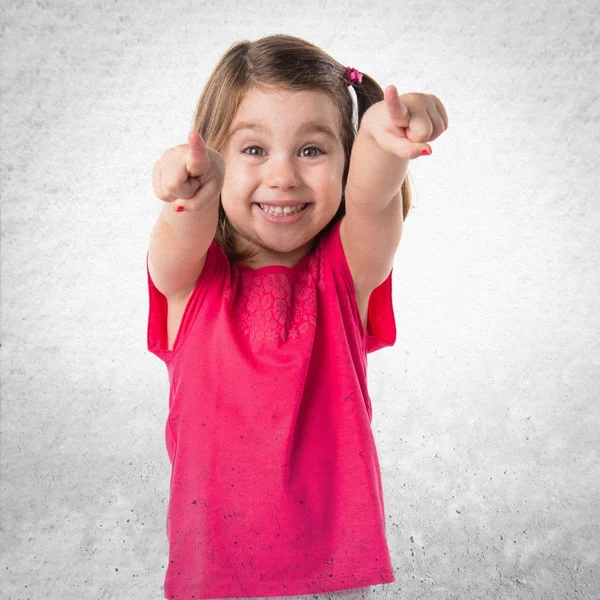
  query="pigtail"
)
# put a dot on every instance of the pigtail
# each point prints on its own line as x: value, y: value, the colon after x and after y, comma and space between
x: 368, y: 92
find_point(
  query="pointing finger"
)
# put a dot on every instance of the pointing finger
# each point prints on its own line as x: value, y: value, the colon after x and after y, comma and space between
x: 398, y: 111
x: 197, y: 162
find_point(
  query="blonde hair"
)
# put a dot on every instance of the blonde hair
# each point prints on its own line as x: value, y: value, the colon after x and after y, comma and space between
x: 286, y: 62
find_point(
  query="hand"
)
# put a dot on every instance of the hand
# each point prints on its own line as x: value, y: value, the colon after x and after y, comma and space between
x: 189, y: 175
x: 401, y: 124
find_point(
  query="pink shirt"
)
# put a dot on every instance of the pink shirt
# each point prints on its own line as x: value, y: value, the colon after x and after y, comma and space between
x: 275, y: 484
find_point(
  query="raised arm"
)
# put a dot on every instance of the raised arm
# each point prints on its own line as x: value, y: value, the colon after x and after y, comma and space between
x: 188, y: 176
x: 392, y: 132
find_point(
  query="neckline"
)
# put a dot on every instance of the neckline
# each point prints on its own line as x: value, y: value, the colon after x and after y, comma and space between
x: 277, y: 268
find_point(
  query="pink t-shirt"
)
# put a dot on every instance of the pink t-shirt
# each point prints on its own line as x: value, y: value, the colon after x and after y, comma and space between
x: 275, y: 484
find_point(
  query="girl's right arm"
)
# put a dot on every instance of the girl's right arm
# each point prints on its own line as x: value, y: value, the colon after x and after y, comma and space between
x: 191, y: 176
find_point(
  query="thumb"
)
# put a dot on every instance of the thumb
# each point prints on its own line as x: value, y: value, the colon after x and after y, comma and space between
x: 404, y: 148
x: 197, y: 162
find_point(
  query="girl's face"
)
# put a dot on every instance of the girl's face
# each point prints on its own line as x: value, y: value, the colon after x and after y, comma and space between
x: 284, y: 149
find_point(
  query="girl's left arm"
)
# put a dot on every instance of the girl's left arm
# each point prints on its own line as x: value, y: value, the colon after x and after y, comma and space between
x: 391, y: 133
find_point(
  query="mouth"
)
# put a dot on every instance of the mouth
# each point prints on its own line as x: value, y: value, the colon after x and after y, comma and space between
x: 288, y: 215
x: 282, y: 211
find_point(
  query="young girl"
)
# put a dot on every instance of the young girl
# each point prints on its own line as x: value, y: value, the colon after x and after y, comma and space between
x: 269, y: 274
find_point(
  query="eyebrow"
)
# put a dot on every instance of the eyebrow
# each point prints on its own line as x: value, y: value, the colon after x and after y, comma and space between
x: 310, y: 127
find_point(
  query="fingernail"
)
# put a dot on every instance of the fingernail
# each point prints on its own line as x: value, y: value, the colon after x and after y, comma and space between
x: 426, y: 152
x: 179, y: 208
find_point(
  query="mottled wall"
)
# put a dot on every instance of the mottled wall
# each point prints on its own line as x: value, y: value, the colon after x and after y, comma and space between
x: 485, y: 411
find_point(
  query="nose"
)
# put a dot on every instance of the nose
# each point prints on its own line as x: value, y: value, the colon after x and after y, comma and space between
x: 282, y: 173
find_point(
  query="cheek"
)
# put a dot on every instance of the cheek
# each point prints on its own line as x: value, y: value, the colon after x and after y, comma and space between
x: 234, y: 177
x: 237, y: 185
x: 334, y: 177
x: 237, y: 175
x: 337, y: 170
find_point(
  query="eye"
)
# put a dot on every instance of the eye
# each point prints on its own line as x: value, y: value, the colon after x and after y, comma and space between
x: 250, y: 151
x: 314, y: 151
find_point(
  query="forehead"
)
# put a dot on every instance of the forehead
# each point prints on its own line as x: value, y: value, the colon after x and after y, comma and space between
x: 275, y: 107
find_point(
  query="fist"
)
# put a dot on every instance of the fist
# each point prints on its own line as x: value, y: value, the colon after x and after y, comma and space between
x: 189, y: 175
x: 402, y: 125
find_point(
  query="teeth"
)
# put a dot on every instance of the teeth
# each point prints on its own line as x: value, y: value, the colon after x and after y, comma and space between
x: 278, y: 210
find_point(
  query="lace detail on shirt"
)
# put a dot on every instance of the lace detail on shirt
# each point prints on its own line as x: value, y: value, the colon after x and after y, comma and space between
x: 271, y: 308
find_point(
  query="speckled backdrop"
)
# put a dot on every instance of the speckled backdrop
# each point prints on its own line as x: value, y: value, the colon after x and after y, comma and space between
x: 486, y: 411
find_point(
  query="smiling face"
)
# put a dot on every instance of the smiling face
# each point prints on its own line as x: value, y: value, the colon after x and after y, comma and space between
x: 284, y: 150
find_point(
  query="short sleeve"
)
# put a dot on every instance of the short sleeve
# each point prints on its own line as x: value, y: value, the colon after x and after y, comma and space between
x: 157, y: 319
x: 381, y: 323
x: 157, y: 334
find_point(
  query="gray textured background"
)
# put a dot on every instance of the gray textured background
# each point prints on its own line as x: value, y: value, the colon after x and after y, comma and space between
x: 486, y: 410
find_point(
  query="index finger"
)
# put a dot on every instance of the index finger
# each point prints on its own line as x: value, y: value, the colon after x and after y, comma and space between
x: 197, y: 161
x: 398, y: 111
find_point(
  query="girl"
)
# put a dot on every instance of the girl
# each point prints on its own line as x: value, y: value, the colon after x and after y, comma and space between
x: 269, y: 274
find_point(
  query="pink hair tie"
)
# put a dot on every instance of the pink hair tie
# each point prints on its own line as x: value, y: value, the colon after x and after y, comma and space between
x: 353, y: 76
